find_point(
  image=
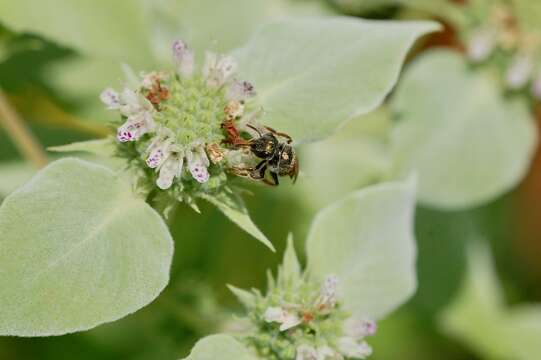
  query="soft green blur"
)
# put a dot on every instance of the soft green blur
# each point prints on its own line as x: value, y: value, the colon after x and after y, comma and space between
x: 212, y: 252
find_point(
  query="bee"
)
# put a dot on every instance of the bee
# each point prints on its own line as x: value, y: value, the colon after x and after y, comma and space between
x: 278, y: 158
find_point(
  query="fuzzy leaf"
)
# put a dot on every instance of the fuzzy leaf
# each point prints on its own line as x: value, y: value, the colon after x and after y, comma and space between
x: 223, y: 347
x: 312, y: 75
x: 245, y: 297
x: 466, y: 141
x: 367, y: 241
x: 235, y: 210
x: 77, y: 250
x: 101, y: 147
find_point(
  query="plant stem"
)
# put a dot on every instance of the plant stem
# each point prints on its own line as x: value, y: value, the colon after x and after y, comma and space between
x: 21, y: 136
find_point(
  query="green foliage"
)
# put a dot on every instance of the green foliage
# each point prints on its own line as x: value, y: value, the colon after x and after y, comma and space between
x: 77, y: 250
x: 467, y: 142
x: 348, y: 65
x: 367, y: 240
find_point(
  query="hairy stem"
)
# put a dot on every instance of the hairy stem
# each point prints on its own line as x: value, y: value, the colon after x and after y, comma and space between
x: 21, y: 136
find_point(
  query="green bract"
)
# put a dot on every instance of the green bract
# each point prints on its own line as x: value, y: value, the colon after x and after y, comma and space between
x: 78, y: 249
x: 313, y: 75
x: 466, y: 141
x: 367, y: 241
x: 361, y: 255
x: 480, y: 318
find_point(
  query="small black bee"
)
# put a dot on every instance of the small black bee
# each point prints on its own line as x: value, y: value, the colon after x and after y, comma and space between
x: 277, y: 157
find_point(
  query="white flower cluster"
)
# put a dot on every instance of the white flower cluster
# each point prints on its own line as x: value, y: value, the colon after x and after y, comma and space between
x: 502, y: 32
x: 350, y: 344
x: 141, y: 108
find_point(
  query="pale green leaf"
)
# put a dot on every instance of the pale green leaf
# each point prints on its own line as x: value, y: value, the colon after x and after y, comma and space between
x: 101, y: 147
x: 467, y: 142
x: 223, y: 347
x: 367, y: 241
x: 312, y: 75
x: 480, y: 318
x: 235, y: 210
x: 77, y: 250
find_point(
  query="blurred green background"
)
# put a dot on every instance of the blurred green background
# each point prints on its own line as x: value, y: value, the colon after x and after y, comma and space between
x: 211, y: 251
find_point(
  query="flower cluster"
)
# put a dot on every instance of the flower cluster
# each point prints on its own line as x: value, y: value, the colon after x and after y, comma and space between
x: 172, y: 122
x: 299, y: 320
x: 501, y: 38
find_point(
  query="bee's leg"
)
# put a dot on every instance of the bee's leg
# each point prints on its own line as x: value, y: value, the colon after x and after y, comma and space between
x: 258, y: 173
x: 284, y: 135
x: 275, y: 178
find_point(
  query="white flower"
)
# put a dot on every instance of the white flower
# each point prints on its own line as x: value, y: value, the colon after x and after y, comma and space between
x: 135, y: 127
x: 171, y: 168
x: 240, y: 91
x: 327, y: 299
x: 159, y: 150
x: 520, y: 72
x: 359, y: 328
x: 131, y: 103
x: 110, y: 98
x: 286, y: 318
x: 481, y: 45
x: 218, y: 69
x: 349, y: 347
x: 536, y: 87
x: 198, y: 162
x: 183, y: 58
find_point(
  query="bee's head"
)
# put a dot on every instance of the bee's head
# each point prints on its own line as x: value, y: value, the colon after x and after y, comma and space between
x: 288, y: 162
